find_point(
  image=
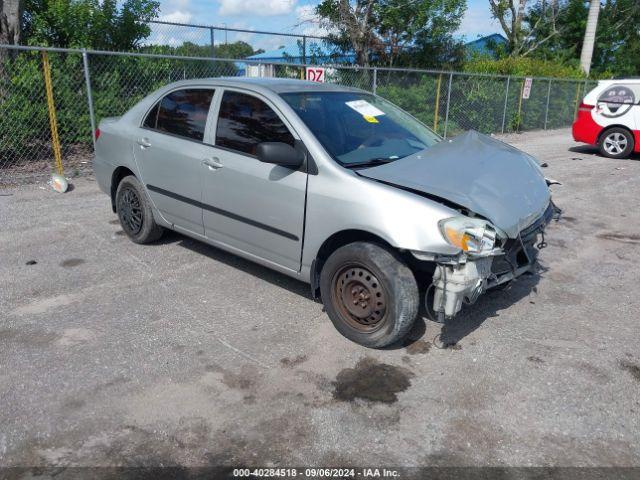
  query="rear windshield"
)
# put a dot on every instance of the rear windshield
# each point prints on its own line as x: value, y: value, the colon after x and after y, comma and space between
x: 360, y: 129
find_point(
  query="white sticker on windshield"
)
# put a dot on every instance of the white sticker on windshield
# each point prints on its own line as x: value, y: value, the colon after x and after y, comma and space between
x: 364, y: 108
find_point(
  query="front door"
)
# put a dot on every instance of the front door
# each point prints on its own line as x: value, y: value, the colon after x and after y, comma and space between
x: 255, y: 207
x: 169, y: 153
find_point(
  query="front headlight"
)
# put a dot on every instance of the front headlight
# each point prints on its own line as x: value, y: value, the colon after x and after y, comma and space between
x: 472, y: 235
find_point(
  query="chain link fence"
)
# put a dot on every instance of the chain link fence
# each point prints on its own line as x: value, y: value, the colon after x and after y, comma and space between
x: 87, y: 86
x: 213, y: 39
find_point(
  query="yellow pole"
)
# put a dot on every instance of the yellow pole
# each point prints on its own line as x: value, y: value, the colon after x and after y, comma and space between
x: 435, y: 118
x: 520, y: 106
x: 53, y: 122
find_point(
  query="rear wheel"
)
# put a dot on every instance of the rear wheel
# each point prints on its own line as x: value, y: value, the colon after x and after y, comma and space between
x: 369, y: 293
x: 616, y: 143
x: 134, y: 212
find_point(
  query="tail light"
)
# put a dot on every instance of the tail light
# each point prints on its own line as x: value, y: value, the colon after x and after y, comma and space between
x: 97, y: 133
x: 585, y: 107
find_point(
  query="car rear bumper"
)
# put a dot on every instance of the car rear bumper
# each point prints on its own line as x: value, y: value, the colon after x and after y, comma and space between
x: 103, y: 172
x: 585, y: 129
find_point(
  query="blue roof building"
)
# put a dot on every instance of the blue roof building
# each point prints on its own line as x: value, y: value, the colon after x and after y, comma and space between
x: 483, y: 45
x: 319, y: 53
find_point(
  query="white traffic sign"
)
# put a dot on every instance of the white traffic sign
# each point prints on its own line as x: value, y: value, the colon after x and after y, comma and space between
x: 526, y: 91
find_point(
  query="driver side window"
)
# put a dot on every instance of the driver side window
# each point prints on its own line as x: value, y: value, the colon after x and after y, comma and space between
x: 245, y: 121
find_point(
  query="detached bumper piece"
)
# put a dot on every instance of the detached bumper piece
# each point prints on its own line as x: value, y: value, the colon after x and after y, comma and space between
x: 465, y: 282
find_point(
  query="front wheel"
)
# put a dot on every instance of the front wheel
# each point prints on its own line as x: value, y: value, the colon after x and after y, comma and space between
x: 616, y: 143
x: 369, y: 293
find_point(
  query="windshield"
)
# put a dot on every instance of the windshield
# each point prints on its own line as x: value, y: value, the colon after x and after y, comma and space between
x: 360, y: 129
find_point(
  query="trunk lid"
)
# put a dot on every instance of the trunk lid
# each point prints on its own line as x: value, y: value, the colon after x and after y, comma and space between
x: 484, y: 175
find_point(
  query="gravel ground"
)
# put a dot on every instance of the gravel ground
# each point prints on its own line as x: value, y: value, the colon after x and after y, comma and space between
x: 177, y: 353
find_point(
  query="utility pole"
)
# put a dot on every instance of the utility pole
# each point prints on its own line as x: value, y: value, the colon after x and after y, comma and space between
x: 224, y: 25
x: 590, y: 36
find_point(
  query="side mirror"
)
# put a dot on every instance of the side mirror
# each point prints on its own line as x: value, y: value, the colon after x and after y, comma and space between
x: 279, y: 153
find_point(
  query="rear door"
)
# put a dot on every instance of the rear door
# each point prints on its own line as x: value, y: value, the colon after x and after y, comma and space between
x: 255, y: 207
x: 618, y: 105
x: 170, y: 151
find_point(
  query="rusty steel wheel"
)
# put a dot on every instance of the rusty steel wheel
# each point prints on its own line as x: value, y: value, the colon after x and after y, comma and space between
x: 369, y: 293
x: 360, y: 298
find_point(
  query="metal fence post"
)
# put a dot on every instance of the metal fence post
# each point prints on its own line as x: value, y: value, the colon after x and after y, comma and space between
x: 446, y: 117
x: 212, y: 35
x: 304, y: 49
x: 375, y: 80
x: 546, y: 111
x: 506, y: 101
x: 87, y: 81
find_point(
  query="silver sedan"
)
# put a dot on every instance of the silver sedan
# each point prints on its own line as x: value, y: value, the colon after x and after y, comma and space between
x: 331, y: 185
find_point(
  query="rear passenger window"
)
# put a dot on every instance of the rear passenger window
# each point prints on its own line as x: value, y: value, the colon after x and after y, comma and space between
x: 245, y: 121
x: 152, y: 117
x: 183, y: 113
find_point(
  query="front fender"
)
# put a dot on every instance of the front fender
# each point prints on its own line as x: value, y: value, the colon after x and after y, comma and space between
x: 402, y: 219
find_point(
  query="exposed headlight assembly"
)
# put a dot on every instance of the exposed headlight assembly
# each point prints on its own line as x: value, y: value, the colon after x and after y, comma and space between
x: 471, y: 235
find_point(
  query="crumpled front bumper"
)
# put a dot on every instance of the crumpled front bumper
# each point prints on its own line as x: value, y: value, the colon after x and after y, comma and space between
x: 458, y: 283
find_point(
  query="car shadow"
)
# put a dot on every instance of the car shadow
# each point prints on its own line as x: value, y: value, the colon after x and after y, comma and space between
x: 263, y: 273
x: 586, y: 149
x: 488, y: 306
x: 593, y: 151
x: 471, y: 317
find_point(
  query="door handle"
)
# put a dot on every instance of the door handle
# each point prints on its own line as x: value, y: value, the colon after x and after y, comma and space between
x: 144, y: 142
x: 212, y: 163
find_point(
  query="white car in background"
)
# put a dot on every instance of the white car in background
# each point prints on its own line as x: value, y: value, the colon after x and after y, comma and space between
x: 609, y: 117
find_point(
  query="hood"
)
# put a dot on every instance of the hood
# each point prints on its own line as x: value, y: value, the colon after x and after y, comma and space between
x: 484, y: 175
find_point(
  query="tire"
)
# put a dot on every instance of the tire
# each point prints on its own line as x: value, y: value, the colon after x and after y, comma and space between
x: 134, y: 212
x: 616, y: 143
x: 369, y: 293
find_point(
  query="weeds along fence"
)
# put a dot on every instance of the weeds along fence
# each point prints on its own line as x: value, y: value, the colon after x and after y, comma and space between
x: 51, y: 97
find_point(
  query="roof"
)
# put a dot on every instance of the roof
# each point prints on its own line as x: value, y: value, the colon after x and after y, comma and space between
x: 293, y: 53
x: 481, y: 45
x: 632, y: 80
x: 276, y: 85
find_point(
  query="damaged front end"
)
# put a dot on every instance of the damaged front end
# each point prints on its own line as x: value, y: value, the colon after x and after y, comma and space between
x: 503, y: 203
x: 490, y: 261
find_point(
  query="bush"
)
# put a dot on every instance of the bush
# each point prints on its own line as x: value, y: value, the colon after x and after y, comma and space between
x: 482, y: 102
x: 522, y: 67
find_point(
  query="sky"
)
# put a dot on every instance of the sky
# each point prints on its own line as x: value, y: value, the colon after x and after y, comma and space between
x: 292, y: 16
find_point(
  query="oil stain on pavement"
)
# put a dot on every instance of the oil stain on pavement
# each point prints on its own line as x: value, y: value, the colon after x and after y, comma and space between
x: 372, y: 381
x: 71, y: 262
x: 293, y: 362
x: 632, y: 239
x: 414, y: 347
x: 632, y: 368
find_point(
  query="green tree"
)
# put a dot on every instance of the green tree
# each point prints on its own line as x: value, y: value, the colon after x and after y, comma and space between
x: 420, y: 31
x: 227, y: 50
x: 98, y: 24
x: 394, y: 30
x: 524, y: 34
x: 10, y: 12
x: 352, y: 26
x: 617, y: 45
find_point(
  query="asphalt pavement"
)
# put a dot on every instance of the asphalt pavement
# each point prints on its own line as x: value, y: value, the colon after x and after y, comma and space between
x: 178, y: 353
